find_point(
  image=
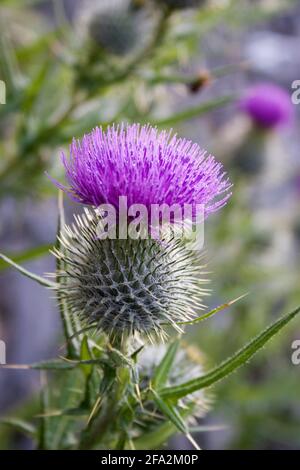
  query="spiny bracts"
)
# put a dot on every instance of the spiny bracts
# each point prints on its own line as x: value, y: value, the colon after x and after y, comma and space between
x: 123, y: 287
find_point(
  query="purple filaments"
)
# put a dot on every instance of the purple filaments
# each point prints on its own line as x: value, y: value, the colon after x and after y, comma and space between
x: 145, y: 165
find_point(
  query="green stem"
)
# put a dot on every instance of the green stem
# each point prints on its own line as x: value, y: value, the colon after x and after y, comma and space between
x: 99, y: 426
x: 72, y: 343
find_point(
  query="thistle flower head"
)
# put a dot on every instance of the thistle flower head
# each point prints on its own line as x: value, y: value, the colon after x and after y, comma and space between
x: 268, y: 105
x: 145, y: 165
x: 127, y: 286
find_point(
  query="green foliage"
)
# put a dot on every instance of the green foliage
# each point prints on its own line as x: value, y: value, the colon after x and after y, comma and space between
x: 119, y: 390
x: 231, y: 364
x: 26, y: 255
x: 162, y: 371
x: 65, y: 92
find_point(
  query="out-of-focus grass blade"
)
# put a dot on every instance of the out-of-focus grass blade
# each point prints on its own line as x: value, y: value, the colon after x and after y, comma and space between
x: 44, y: 403
x: 8, y: 63
x: 209, y: 428
x: 33, y: 89
x: 20, y: 3
x: 26, y: 255
x: 188, y: 79
x: 40, y: 45
x: 196, y: 111
x: 43, y: 365
x: 231, y: 364
x: 20, y: 425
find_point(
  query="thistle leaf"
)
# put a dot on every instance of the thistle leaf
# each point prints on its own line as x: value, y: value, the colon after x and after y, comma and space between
x: 26, y: 255
x: 118, y: 358
x: 25, y: 272
x: 77, y: 412
x: 162, y: 370
x: 85, y: 355
x: 212, y: 312
x: 231, y: 364
x: 154, y: 439
x: 135, y: 354
x: 170, y: 411
x: 51, y: 365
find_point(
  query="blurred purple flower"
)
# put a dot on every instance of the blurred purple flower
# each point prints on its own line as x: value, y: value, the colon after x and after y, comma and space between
x: 146, y: 166
x: 268, y: 105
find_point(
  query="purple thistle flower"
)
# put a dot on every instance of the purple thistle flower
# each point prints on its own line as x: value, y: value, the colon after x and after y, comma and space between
x: 146, y: 166
x: 268, y: 105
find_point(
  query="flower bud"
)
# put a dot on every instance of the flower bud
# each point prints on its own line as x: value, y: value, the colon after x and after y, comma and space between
x: 116, y: 32
x: 268, y: 106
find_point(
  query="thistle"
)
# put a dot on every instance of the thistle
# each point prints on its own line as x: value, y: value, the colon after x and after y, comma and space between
x: 132, y: 397
x: 269, y: 107
x: 126, y: 286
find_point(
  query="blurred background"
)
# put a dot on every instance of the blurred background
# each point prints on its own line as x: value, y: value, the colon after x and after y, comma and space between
x: 219, y: 72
